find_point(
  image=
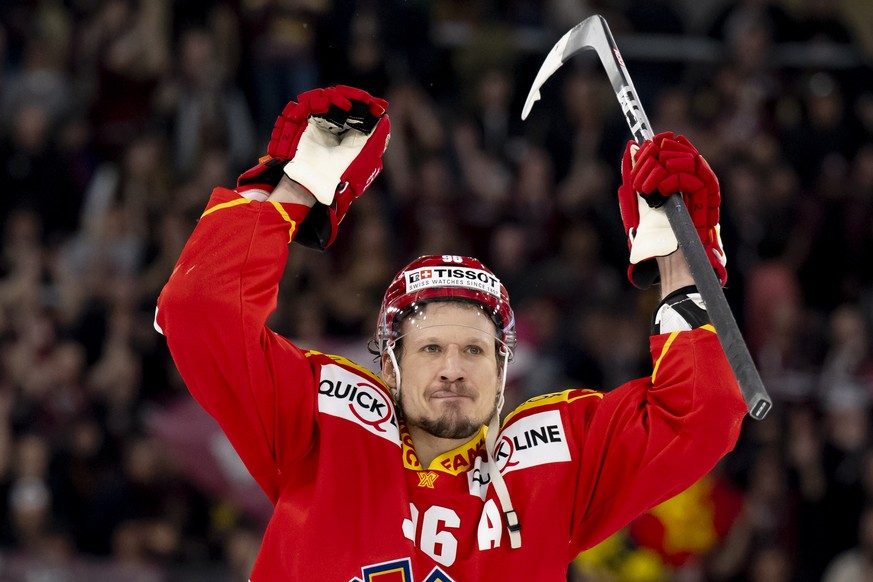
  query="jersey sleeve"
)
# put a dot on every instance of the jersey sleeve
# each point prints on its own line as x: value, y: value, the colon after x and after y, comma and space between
x: 652, y: 438
x: 213, y: 312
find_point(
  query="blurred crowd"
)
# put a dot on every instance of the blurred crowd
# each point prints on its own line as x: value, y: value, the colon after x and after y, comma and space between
x: 119, y: 117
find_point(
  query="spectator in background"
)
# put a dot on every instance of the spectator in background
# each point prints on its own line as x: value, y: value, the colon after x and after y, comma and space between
x: 856, y: 563
x: 27, y: 149
x: 43, y: 79
x: 734, y: 18
x: 29, y: 498
x: 418, y: 128
x: 763, y: 531
x: 532, y: 208
x: 365, y: 62
x: 822, y: 21
x: 123, y: 51
x: 847, y: 438
x: 281, y: 39
x: 207, y: 111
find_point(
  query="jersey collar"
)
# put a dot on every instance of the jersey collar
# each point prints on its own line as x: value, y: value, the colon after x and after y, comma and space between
x: 456, y: 461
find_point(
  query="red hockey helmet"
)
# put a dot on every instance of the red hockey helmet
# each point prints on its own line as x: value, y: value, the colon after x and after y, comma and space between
x: 442, y: 278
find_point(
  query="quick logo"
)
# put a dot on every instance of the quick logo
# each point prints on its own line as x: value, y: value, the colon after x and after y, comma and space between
x: 346, y: 395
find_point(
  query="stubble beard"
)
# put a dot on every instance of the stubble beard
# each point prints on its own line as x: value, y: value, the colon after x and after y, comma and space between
x: 452, y: 424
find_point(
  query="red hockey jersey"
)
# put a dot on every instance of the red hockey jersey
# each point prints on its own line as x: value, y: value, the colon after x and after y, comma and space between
x: 321, y: 437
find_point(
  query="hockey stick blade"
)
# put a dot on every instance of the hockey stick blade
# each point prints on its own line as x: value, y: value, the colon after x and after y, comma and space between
x: 593, y: 33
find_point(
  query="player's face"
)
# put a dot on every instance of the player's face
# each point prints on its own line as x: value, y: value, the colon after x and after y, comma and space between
x: 448, y: 370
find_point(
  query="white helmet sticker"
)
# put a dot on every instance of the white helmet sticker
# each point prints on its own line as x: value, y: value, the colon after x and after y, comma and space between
x: 444, y: 276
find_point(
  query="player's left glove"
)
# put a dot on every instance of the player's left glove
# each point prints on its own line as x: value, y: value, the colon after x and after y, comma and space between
x: 650, y: 174
x: 331, y: 142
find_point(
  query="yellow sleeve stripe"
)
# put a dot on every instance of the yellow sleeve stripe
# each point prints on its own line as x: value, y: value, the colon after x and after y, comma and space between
x: 346, y: 362
x: 708, y: 327
x: 567, y: 396
x: 224, y: 205
x: 287, y: 218
x: 664, y: 350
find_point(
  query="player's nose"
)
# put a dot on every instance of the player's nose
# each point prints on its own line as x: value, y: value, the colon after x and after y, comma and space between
x: 451, y: 365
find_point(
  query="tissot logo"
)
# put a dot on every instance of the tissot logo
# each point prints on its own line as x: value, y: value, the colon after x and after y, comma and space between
x: 533, y: 440
x: 452, y: 277
x: 347, y: 395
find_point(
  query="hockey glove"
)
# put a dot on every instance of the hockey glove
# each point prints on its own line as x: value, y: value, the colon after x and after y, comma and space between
x: 650, y: 174
x: 331, y: 142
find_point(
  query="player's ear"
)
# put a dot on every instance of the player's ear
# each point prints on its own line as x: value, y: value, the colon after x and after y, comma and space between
x: 389, y: 374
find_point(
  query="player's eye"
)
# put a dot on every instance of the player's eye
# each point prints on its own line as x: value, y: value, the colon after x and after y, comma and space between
x: 475, y: 350
x: 430, y: 348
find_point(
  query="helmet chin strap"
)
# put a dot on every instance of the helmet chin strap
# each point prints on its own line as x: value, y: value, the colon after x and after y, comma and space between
x: 513, y: 527
x: 395, y: 392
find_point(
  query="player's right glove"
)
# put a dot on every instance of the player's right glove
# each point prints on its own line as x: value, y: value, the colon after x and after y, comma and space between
x: 650, y: 174
x: 331, y: 142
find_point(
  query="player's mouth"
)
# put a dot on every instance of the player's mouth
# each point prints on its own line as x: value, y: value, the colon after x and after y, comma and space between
x: 449, y: 395
x: 452, y: 394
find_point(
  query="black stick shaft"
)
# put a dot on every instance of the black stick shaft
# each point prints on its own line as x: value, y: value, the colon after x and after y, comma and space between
x: 720, y: 313
x: 708, y: 285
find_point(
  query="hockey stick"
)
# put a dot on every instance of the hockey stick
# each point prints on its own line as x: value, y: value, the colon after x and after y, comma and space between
x: 593, y: 33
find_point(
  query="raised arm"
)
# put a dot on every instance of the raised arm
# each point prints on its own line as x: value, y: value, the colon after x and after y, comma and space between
x: 290, y: 192
x: 214, y: 308
x: 652, y: 437
x: 674, y: 273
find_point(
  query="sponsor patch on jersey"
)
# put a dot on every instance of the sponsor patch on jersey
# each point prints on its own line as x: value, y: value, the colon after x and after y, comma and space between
x: 347, y: 395
x: 534, y: 440
x: 478, y: 479
x: 477, y: 279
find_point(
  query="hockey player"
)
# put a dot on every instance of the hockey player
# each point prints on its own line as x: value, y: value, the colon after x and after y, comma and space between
x: 408, y: 476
